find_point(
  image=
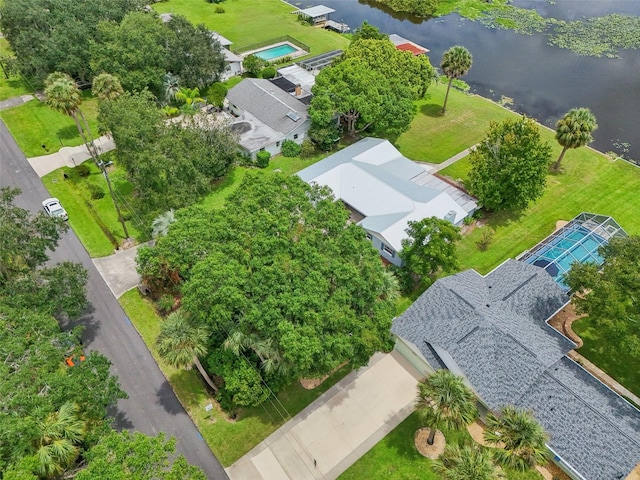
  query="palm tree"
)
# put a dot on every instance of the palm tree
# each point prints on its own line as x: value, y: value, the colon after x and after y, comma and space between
x: 57, y: 441
x: 521, y: 435
x: 64, y: 96
x: 574, y: 131
x: 162, y: 223
x: 269, y: 353
x: 455, y: 63
x: 390, y: 286
x: 171, y: 85
x: 470, y: 462
x: 107, y: 87
x: 444, y: 401
x: 180, y: 343
x: 189, y: 98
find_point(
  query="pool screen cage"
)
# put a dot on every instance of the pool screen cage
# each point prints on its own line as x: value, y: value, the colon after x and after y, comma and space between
x: 320, y: 61
x: 577, y: 241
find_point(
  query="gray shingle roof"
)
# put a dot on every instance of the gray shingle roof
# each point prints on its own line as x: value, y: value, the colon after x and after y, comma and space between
x: 493, y: 330
x: 268, y: 103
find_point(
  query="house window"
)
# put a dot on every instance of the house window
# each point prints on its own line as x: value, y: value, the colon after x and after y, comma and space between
x: 389, y: 250
x: 295, y: 136
x: 277, y: 144
x: 368, y: 235
x: 262, y: 149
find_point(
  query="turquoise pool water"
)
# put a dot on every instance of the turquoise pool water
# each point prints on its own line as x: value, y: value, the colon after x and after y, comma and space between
x: 579, y: 245
x: 275, y: 52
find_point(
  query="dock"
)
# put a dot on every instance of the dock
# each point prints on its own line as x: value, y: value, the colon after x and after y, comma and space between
x: 335, y: 26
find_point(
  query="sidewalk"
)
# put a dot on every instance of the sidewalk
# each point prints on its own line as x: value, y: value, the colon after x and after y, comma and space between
x: 436, y: 167
x: 15, y: 101
x: 68, y: 156
x: 344, y: 423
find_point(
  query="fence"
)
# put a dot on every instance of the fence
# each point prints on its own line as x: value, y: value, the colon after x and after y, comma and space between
x: 256, y: 46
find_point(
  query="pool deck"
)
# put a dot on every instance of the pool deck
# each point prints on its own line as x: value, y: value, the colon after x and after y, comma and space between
x: 295, y: 54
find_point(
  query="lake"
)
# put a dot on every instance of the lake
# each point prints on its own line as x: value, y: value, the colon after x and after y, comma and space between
x: 544, y: 81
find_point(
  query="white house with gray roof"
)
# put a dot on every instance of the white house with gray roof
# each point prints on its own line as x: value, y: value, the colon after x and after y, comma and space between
x: 385, y: 191
x: 265, y: 116
x: 493, y: 331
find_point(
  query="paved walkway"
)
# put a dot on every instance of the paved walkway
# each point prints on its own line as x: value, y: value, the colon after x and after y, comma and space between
x: 119, y: 270
x: 606, y: 379
x: 435, y: 167
x: 15, y: 101
x: 338, y: 428
x: 69, y: 156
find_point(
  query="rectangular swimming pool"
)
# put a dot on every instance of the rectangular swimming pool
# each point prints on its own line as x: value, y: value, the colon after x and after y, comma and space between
x: 275, y: 52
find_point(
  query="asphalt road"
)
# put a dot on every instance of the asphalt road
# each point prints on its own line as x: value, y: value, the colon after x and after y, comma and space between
x: 152, y: 406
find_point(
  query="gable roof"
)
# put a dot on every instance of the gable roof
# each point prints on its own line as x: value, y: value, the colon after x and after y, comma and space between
x: 493, y: 330
x: 269, y: 104
x: 374, y: 178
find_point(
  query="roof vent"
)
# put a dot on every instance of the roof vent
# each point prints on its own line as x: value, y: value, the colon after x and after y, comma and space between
x: 293, y: 116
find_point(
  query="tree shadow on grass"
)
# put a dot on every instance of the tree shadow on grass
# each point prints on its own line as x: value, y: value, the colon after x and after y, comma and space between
x: 68, y: 133
x: 431, y: 110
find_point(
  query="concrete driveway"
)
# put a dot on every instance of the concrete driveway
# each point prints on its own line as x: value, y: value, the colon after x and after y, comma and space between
x: 338, y: 428
x: 119, y: 270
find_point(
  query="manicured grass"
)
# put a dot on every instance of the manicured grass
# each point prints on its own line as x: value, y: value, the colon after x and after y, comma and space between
x: 90, y: 218
x: 229, y: 440
x: 224, y: 187
x: 246, y: 22
x: 396, y: 457
x: 607, y: 355
x: 590, y: 182
x: 33, y: 124
x: 434, y: 137
x: 13, y: 86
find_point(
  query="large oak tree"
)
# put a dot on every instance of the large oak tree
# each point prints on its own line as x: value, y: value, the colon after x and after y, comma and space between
x: 279, y: 278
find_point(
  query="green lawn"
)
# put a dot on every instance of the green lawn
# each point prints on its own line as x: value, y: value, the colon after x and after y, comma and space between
x: 396, y: 457
x: 33, y: 124
x: 89, y: 218
x: 607, y: 355
x: 229, y: 440
x: 590, y: 182
x: 434, y: 137
x: 246, y: 22
x: 13, y: 86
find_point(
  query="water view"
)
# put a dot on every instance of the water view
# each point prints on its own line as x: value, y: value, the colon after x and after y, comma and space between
x: 543, y: 81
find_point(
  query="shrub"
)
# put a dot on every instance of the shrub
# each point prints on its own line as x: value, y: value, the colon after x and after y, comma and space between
x: 262, y: 159
x: 216, y: 93
x: 268, y: 72
x: 168, y: 111
x: 307, y: 149
x: 83, y: 170
x: 165, y: 303
x: 290, y: 148
x: 95, y: 191
x: 214, y: 1
x: 219, y: 10
x: 486, y: 239
x: 253, y: 65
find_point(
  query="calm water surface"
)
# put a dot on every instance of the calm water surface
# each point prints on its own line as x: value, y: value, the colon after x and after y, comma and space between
x: 543, y: 81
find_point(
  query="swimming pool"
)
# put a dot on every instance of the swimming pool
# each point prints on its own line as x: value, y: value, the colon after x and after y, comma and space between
x: 275, y: 52
x: 557, y: 253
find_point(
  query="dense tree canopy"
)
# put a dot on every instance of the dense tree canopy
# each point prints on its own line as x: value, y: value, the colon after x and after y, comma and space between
x: 134, y: 456
x: 54, y: 35
x: 509, y: 167
x: 430, y: 247
x: 610, y: 296
x: 172, y: 165
x: 372, y: 87
x: 278, y: 278
x: 35, y: 383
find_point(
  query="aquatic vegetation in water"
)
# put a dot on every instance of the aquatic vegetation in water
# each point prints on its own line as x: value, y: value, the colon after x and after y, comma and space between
x: 598, y: 36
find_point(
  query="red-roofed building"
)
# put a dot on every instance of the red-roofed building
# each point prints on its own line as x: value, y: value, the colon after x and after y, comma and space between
x: 407, y: 45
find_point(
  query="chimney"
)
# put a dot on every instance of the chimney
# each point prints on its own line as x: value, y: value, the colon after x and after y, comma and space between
x: 298, y: 90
